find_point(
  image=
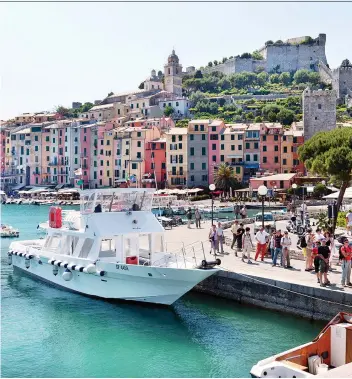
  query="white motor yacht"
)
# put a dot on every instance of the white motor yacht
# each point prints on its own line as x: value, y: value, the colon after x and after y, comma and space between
x: 113, y: 249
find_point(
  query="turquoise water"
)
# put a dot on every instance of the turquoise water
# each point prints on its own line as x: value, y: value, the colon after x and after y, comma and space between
x: 48, y: 332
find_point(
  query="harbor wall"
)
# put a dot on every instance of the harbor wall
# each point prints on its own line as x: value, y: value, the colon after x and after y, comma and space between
x: 276, y: 295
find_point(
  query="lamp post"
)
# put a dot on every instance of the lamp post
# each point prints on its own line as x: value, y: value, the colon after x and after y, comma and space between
x: 274, y: 194
x: 294, y: 186
x: 262, y: 191
x: 212, y: 188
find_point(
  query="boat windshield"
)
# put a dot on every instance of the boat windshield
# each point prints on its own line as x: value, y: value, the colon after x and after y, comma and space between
x: 116, y: 201
x: 267, y: 217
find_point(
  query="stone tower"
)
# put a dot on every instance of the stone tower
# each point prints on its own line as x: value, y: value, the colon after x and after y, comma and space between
x: 173, y: 75
x: 319, y: 111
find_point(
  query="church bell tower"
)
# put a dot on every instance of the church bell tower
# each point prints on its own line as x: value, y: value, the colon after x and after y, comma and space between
x: 173, y: 75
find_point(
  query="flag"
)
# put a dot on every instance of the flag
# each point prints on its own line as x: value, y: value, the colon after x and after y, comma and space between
x: 78, y: 171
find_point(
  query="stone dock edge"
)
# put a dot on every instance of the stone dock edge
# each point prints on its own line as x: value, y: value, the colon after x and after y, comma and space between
x: 309, y: 302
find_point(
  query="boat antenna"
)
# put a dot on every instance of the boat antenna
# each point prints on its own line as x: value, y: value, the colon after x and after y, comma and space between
x: 142, y: 201
x: 112, y: 199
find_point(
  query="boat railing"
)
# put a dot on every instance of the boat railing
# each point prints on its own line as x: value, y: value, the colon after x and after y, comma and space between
x: 189, y: 255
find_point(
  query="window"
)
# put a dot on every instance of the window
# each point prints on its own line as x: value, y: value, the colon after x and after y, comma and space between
x: 47, y: 148
x: 139, y: 134
x: 222, y: 158
x: 239, y: 147
x: 47, y: 138
x: 204, y: 178
x: 213, y: 128
x: 163, y: 165
x: 204, y: 166
x: 284, y: 162
x: 101, y: 163
x: 53, y: 140
x: 256, y: 145
x: 238, y: 170
x: 222, y: 147
x: 173, y: 138
x: 139, y: 155
x: 192, y: 178
x: 36, y: 148
x: 192, y: 151
x: 240, y: 137
x: 134, y: 166
x: 222, y: 137
x: 276, y: 148
x: 203, y: 137
x: 315, y: 118
x: 294, y: 139
x: 248, y: 157
x: 35, y: 138
x: 139, y: 144
x: 127, y: 152
x: 276, y: 159
x: 180, y: 138
x: 177, y: 104
x: 202, y: 128
x: 248, y: 145
x: 233, y: 147
x: 264, y: 160
x: 276, y: 137
x: 264, y: 138
x: 264, y: 148
x: 214, y: 158
x: 284, y: 138
x: 196, y: 128
x: 285, y: 149
x: 191, y: 166
x: 204, y: 151
x: 213, y: 146
x: 181, y: 170
x: 319, y: 106
x: 191, y: 137
x: 232, y: 137
x: 173, y: 170
x: 214, y: 137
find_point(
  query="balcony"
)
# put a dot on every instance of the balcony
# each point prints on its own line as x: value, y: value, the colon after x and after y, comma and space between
x: 236, y: 163
x: 55, y: 163
x: 36, y: 173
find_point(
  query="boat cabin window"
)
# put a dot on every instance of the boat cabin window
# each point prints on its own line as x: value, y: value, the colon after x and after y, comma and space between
x: 86, y: 248
x: 68, y: 244
x: 107, y: 248
x: 52, y: 243
x: 159, y: 243
x: 131, y: 245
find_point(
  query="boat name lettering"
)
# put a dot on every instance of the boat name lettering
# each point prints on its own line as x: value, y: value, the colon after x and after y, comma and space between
x: 121, y: 267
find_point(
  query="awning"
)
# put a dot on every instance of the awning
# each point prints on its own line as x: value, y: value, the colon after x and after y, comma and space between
x: 18, y: 187
x: 251, y: 165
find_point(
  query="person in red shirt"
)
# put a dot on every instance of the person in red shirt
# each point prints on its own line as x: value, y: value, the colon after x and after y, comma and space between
x: 346, y: 252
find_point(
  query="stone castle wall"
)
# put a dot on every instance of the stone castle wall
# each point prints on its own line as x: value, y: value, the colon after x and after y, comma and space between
x: 319, y: 111
x: 344, y: 79
x: 290, y: 56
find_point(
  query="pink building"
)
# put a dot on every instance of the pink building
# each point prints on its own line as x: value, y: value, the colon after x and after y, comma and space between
x: 62, y: 174
x: 155, y: 163
x: 214, y: 129
x: 278, y: 181
x: 85, y: 143
x: 270, y: 147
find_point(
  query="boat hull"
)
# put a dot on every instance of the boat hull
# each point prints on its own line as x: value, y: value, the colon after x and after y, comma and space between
x: 158, y: 285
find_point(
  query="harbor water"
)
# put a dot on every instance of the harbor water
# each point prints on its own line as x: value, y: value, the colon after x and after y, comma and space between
x: 49, y: 332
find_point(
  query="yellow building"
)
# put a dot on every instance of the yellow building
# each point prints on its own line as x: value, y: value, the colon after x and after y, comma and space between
x: 108, y: 157
x: 176, y: 157
x: 232, y: 148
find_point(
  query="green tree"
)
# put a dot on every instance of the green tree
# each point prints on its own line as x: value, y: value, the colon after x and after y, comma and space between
x: 258, y: 119
x: 256, y: 55
x: 63, y: 112
x: 224, y: 178
x: 330, y: 154
x: 274, y: 78
x: 210, y: 64
x: 314, y: 78
x: 198, y: 74
x: 224, y: 60
x: 285, y: 78
x: 216, y: 62
x: 160, y: 74
x: 246, y: 56
x: 86, y: 106
x: 272, y: 116
x: 285, y: 116
x: 168, y: 111
x: 110, y: 94
x: 249, y: 116
x: 270, y: 108
x: 301, y: 76
x: 262, y: 78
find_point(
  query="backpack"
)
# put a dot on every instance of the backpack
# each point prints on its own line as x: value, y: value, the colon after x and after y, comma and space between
x: 341, y: 256
x: 303, y: 242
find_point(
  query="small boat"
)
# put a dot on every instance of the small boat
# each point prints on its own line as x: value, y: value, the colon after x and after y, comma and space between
x: 7, y: 231
x: 329, y: 351
x: 114, y: 248
x: 225, y: 208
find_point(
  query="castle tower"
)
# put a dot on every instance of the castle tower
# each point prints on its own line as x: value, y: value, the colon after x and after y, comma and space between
x: 319, y: 111
x: 173, y: 75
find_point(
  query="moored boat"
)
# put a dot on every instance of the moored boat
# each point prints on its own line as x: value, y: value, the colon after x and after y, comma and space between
x: 114, y: 248
x: 329, y: 351
x: 7, y: 231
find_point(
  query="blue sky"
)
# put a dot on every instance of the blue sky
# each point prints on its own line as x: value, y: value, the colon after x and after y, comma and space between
x: 56, y: 53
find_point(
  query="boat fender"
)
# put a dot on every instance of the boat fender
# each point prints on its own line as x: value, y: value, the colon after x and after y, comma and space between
x: 101, y: 273
x: 81, y: 269
x: 218, y: 261
x: 90, y: 269
x: 77, y: 268
x: 70, y: 266
x: 9, y: 258
x: 40, y: 262
x: 55, y: 270
x: 73, y: 267
x: 27, y: 263
x: 57, y: 263
x: 67, y: 275
x: 15, y: 252
x: 51, y: 261
x: 65, y: 264
x: 30, y: 256
x: 20, y: 254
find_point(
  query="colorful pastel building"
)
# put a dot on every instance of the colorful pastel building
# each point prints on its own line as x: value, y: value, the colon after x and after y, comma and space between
x: 177, y: 157
x: 290, y: 162
x: 251, y: 151
x: 198, y: 146
x: 215, y: 129
x: 155, y: 163
x: 270, y: 147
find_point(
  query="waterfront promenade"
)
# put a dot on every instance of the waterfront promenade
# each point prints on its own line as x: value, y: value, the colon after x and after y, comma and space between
x: 291, y: 290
